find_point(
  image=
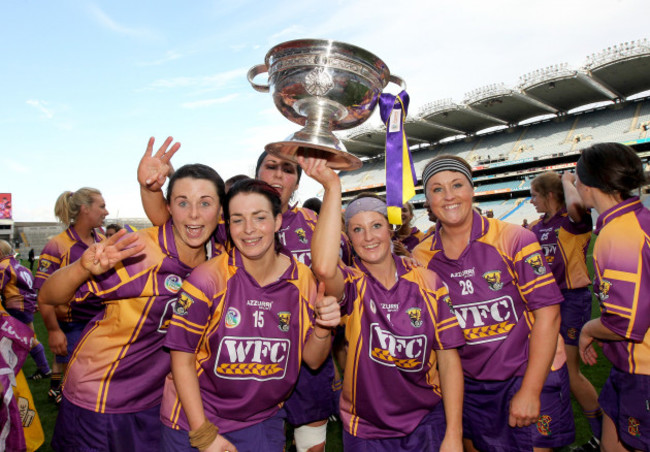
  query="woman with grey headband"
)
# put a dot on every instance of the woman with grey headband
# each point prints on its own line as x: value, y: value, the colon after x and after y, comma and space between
x: 607, y: 173
x: 401, y: 332
x: 507, y: 303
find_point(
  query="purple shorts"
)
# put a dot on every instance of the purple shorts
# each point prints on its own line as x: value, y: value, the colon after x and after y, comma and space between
x: 314, y: 397
x: 427, y: 436
x: 575, y: 311
x: 23, y: 316
x: 72, y: 331
x: 266, y: 436
x: 555, y: 427
x: 625, y: 398
x: 487, y: 407
x: 81, y: 430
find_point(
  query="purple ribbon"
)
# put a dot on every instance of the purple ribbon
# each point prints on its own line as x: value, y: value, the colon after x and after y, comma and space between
x: 395, y: 149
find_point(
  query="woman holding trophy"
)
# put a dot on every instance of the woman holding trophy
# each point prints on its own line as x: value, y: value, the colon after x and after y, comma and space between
x: 395, y: 397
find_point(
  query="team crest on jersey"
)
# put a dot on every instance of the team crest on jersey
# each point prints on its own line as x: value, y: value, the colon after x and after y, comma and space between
x: 302, y: 235
x: 603, y: 289
x: 183, y: 304
x: 233, y: 318
x: 173, y: 283
x: 373, y: 307
x: 415, y: 315
x: 544, y: 425
x: 535, y: 261
x: 633, y: 426
x: 44, y: 265
x: 557, y: 232
x: 493, y: 278
x: 447, y: 299
x: 284, y: 318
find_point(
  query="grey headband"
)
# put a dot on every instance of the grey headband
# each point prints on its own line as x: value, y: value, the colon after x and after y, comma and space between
x: 365, y: 204
x: 445, y: 165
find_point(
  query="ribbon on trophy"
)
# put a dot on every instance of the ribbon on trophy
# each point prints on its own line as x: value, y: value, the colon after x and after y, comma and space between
x: 400, y: 173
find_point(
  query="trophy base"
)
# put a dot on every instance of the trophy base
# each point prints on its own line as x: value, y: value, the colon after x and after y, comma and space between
x: 336, y: 159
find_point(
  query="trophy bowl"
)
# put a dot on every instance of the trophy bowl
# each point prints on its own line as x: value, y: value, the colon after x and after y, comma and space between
x: 324, y: 86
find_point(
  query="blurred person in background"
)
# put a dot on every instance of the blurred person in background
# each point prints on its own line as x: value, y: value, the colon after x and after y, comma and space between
x: 83, y: 212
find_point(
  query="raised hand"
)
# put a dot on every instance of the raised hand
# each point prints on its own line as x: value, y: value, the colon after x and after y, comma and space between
x: 154, y: 169
x: 327, y: 310
x: 317, y: 169
x: 103, y: 256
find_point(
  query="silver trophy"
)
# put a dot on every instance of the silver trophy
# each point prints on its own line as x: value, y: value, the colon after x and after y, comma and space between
x: 322, y: 85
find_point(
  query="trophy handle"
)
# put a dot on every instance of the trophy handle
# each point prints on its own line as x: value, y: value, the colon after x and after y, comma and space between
x: 393, y: 78
x: 255, y: 71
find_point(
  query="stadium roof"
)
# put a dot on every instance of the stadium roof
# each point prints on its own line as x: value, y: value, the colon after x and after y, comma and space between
x: 612, y: 75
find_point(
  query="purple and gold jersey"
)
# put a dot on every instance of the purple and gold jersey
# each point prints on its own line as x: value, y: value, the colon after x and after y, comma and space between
x: 248, y: 340
x: 413, y: 239
x: 63, y: 250
x: 497, y: 281
x: 16, y: 286
x: 297, y: 229
x: 119, y: 365
x: 391, y: 380
x: 622, y: 283
x: 565, y: 246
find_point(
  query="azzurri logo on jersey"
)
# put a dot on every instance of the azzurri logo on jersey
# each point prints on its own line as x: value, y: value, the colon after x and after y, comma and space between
x: 252, y: 358
x: 486, y: 321
x: 404, y: 352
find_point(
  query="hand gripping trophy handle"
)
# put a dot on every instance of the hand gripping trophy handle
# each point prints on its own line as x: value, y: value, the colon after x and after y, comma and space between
x: 324, y: 86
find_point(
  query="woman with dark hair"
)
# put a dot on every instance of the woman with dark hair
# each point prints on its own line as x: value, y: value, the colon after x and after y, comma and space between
x: 401, y: 332
x: 114, y: 383
x: 607, y: 173
x: 246, y: 324
x: 316, y: 395
x: 83, y: 212
x: 507, y: 303
x: 564, y: 231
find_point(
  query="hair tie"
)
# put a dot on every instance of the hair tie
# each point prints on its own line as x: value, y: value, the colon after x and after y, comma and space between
x: 445, y: 164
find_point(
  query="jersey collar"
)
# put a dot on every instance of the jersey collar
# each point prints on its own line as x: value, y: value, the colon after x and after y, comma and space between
x: 629, y: 205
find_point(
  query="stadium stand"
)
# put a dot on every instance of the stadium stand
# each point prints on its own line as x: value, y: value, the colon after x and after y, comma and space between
x: 509, y: 135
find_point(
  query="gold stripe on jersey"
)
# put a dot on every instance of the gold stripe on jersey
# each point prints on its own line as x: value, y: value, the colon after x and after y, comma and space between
x: 536, y: 283
x: 102, y: 394
x: 621, y: 276
x: 571, y: 247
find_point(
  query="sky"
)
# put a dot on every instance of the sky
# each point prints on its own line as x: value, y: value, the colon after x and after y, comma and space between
x: 84, y: 84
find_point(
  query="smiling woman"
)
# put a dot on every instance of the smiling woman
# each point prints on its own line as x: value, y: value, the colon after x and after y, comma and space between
x: 246, y: 325
x: 498, y: 281
x: 385, y: 301
x: 114, y: 388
